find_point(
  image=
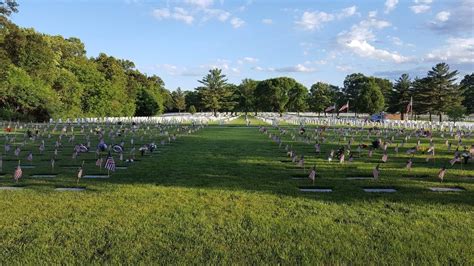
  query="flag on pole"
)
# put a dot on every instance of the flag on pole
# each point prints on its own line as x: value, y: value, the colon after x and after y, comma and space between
x: 410, y: 106
x: 384, y: 157
x: 18, y: 172
x: 312, y: 174
x: 330, y: 108
x: 344, y: 107
x: 79, y: 173
x: 30, y: 157
x: 441, y: 173
x: 110, y: 163
x: 376, y: 172
x: 409, y: 164
x: 52, y: 163
x: 98, y: 162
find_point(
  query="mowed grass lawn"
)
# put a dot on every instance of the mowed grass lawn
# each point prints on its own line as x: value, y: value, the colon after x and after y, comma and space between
x: 222, y: 195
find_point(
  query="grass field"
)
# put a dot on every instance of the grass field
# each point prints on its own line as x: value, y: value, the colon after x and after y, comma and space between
x: 223, y: 195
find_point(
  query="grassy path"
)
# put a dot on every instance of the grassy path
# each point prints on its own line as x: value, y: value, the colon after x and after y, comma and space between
x: 222, y: 196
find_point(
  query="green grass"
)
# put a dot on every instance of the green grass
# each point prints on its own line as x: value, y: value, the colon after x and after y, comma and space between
x: 222, y: 195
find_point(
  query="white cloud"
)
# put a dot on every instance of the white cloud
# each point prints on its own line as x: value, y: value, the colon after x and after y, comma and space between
x: 250, y: 59
x: 423, y: 1
x: 161, y: 13
x: 182, y: 15
x: 396, y: 41
x: 456, y: 50
x: 299, y: 68
x: 344, y: 68
x: 390, y: 5
x: 373, y: 14
x: 219, y: 14
x: 237, y: 22
x: 178, y: 13
x: 347, y: 12
x: 417, y: 9
x: 443, y: 16
x: 314, y: 20
x: 459, y: 22
x: 358, y: 39
x: 267, y: 21
x: 200, y: 3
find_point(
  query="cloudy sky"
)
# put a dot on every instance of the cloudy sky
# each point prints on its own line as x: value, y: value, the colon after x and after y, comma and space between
x: 310, y: 40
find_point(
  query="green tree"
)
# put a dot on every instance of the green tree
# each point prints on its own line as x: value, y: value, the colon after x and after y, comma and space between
x: 444, y: 93
x: 7, y: 7
x: 168, y: 102
x: 246, y: 95
x: 385, y: 86
x: 231, y: 100
x: 400, y: 95
x: 321, y: 96
x: 371, y: 99
x: 456, y: 112
x: 279, y: 94
x: 352, y: 86
x: 298, y: 98
x: 192, y: 109
x: 215, y: 90
x: 467, y: 88
x: 24, y: 97
x: 193, y: 98
x: 179, y: 100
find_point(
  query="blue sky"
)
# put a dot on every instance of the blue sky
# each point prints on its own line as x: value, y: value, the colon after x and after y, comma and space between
x: 309, y: 40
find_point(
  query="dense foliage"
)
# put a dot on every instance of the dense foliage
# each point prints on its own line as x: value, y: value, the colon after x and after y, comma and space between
x: 44, y: 76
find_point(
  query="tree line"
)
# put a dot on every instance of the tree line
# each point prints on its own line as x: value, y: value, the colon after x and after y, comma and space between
x: 436, y: 94
x: 44, y: 76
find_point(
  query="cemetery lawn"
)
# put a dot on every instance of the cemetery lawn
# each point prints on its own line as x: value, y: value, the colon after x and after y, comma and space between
x: 223, y: 196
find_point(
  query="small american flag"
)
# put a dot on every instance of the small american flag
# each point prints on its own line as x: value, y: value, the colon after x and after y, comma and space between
x: 17, y: 151
x: 18, y: 173
x: 79, y: 173
x: 312, y: 174
x: 455, y: 160
x: 341, y: 159
x: 441, y: 173
x: 384, y: 157
x: 110, y: 163
x: 30, y: 157
x: 376, y: 172
x: 98, y: 162
x: 409, y: 164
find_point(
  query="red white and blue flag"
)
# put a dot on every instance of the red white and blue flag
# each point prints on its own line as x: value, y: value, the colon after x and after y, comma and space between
x: 110, y: 163
x: 344, y: 107
x: 330, y: 108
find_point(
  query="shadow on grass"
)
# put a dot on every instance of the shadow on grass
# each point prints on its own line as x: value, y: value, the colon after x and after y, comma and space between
x: 242, y: 159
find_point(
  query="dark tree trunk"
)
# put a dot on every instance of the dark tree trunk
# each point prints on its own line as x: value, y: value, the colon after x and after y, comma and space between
x: 430, y: 115
x: 402, y: 116
x: 440, y: 117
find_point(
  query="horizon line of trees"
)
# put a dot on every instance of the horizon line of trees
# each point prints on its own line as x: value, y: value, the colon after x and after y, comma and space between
x: 435, y: 94
x: 44, y: 76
